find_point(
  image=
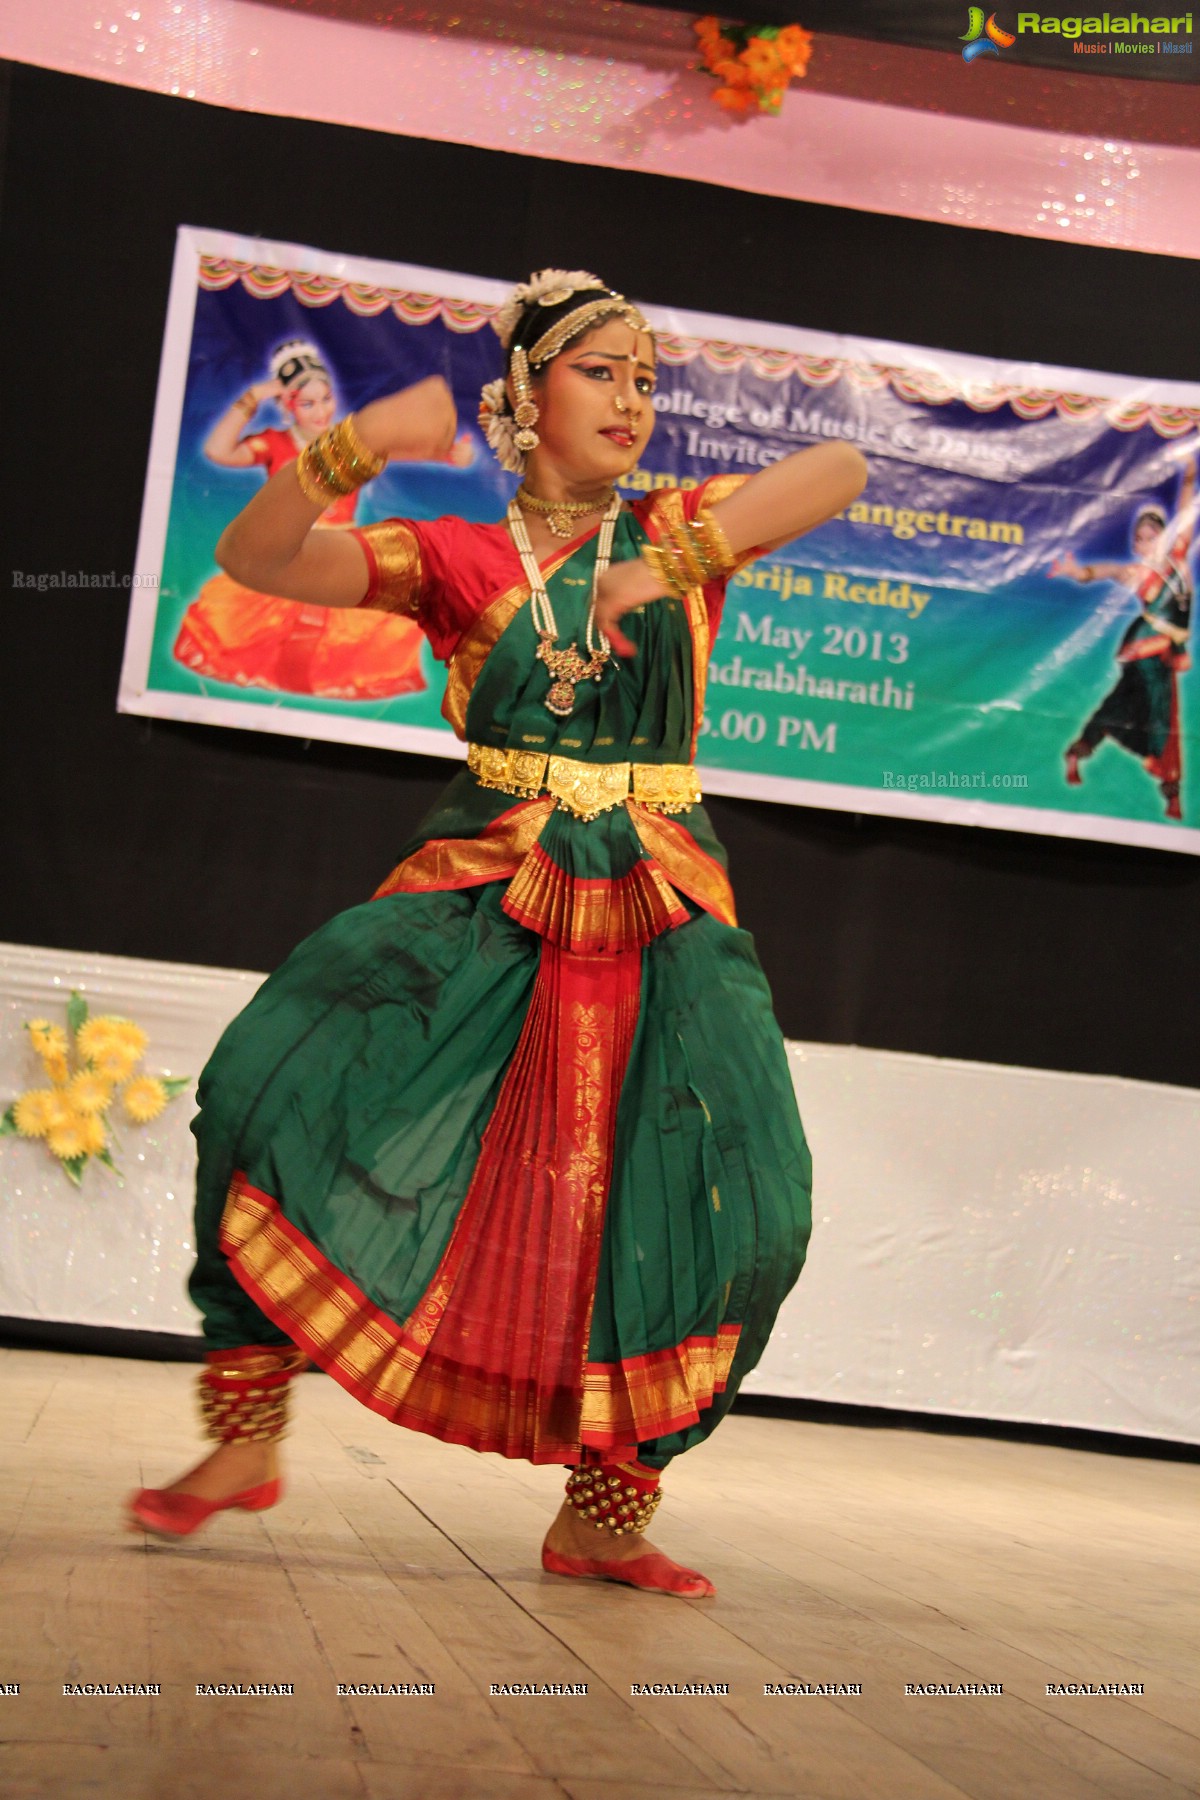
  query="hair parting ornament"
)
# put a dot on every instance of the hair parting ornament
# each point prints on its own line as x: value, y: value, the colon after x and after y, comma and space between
x: 538, y: 320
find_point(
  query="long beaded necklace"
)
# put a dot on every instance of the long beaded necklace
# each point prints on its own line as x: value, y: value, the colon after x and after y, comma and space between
x: 566, y: 667
x: 560, y: 515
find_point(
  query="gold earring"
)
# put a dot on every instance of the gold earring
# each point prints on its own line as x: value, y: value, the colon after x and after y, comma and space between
x: 525, y: 413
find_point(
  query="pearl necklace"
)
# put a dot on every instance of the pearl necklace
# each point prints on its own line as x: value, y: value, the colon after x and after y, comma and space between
x: 566, y: 667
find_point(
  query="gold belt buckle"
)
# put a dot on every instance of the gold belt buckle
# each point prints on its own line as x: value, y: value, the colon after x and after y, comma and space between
x: 588, y: 789
x: 583, y: 788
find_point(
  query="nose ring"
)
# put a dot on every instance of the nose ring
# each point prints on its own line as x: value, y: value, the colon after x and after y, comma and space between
x: 623, y: 408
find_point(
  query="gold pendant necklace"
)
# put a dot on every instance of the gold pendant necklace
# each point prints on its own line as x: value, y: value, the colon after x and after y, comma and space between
x: 561, y: 515
x: 565, y: 667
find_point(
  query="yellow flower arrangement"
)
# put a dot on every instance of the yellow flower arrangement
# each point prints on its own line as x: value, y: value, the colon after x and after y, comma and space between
x: 144, y: 1099
x: 89, y: 1092
x: 36, y: 1110
x: 114, y: 1062
x: 48, y: 1040
x: 752, y: 63
x: 69, y: 1115
x: 98, y: 1036
x: 67, y: 1141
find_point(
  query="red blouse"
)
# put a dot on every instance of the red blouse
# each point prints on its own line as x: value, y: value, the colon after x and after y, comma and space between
x: 445, y: 572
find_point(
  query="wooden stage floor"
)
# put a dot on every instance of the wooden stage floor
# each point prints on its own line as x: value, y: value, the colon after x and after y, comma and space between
x: 842, y: 1555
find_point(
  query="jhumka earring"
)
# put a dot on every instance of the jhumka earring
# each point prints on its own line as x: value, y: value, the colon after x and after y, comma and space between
x: 525, y: 412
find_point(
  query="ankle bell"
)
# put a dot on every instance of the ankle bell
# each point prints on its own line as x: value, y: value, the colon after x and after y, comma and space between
x: 616, y: 1497
x: 244, y: 1393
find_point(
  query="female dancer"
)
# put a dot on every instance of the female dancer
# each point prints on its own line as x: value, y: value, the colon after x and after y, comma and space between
x: 232, y: 633
x: 1141, y: 713
x: 512, y: 1149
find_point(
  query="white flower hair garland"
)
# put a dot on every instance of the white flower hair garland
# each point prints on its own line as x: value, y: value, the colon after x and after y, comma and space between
x: 495, y: 416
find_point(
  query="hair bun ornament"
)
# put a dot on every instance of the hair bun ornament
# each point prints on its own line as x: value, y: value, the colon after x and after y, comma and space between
x: 549, y: 287
x: 296, y: 358
x: 499, y: 426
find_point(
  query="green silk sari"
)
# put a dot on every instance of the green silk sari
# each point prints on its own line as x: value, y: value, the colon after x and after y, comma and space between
x: 511, y: 1148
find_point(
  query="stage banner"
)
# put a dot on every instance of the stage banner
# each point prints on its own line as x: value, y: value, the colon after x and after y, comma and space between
x: 995, y: 633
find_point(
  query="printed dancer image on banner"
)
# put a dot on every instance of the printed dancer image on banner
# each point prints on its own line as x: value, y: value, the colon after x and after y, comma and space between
x: 1142, y: 711
x: 234, y: 635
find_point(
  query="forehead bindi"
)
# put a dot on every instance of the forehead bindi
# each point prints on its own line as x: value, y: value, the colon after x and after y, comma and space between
x: 615, y: 341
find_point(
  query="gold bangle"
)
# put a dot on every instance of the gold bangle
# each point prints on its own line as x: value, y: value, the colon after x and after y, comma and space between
x: 690, y: 555
x: 336, y: 464
x: 349, y: 436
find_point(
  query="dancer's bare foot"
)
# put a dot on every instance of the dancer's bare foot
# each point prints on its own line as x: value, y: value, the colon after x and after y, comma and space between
x: 571, y: 1537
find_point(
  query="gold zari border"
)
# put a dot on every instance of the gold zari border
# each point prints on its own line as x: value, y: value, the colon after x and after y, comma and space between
x: 498, y: 851
x: 647, y: 1396
x: 399, y: 573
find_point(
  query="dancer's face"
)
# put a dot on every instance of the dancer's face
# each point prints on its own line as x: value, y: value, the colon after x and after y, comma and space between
x: 311, y: 405
x: 1145, y: 538
x: 595, y: 406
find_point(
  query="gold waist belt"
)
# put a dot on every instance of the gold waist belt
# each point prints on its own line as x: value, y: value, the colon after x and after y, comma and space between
x: 583, y: 788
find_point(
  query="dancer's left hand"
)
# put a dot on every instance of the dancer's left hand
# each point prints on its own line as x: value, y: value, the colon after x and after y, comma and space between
x: 621, y: 589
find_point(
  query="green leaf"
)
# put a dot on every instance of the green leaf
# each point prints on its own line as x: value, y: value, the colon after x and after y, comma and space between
x: 175, y: 1084
x: 105, y: 1156
x: 8, y: 1123
x: 77, y: 1011
x: 73, y: 1168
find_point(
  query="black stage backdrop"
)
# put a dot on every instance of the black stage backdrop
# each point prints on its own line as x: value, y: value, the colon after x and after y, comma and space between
x: 207, y: 845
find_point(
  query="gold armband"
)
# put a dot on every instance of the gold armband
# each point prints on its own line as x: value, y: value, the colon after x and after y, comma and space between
x: 689, y: 556
x: 336, y: 463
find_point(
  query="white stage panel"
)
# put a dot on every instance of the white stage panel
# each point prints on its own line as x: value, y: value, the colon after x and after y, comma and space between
x: 989, y: 1242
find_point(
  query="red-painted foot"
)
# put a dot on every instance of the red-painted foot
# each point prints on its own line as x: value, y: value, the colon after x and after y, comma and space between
x: 1074, y: 778
x: 178, y: 1515
x: 654, y: 1572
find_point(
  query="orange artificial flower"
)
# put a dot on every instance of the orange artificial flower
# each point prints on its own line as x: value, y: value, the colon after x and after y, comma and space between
x: 736, y: 100
x: 753, y: 64
x: 795, y: 46
x: 716, y: 51
x: 733, y: 73
x: 764, y: 62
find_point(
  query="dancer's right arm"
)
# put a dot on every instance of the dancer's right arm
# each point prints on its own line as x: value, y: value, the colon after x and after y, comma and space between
x: 271, y: 545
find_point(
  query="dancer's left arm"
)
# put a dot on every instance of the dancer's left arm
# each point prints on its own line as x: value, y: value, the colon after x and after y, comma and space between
x: 770, y: 509
x: 792, y: 496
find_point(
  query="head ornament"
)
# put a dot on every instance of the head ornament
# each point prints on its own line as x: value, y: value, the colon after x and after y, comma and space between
x: 296, y: 362
x: 539, y: 319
